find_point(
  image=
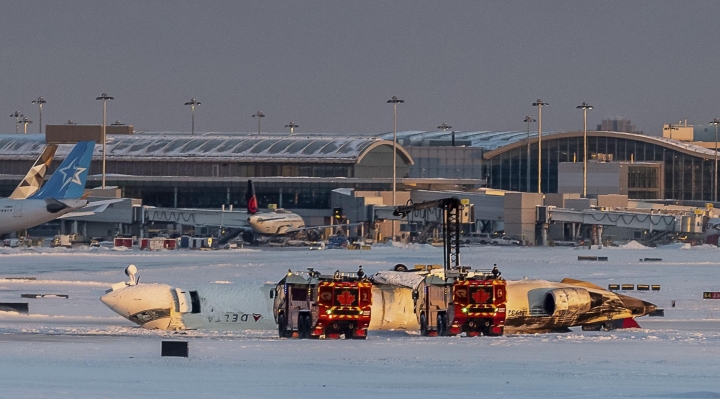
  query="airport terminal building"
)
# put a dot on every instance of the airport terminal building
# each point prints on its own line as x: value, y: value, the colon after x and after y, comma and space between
x: 300, y: 171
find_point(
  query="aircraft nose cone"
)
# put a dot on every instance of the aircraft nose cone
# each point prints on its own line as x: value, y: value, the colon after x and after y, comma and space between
x: 109, y: 300
x: 132, y: 300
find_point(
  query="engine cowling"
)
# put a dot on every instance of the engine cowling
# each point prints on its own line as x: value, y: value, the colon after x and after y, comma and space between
x: 567, y: 302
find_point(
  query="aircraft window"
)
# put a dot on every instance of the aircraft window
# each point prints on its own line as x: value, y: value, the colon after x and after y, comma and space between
x: 195, y: 299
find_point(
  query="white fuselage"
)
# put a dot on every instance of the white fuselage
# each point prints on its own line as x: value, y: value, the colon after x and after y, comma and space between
x: 205, y: 306
x: 233, y: 306
x: 25, y: 213
x: 277, y: 222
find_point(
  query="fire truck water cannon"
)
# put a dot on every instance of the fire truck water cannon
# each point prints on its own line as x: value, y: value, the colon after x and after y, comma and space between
x: 311, y: 305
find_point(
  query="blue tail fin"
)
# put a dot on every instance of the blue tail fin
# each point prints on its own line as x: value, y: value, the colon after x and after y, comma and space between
x: 69, y: 179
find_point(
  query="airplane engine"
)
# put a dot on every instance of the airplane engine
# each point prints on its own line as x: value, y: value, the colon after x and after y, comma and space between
x: 567, y: 301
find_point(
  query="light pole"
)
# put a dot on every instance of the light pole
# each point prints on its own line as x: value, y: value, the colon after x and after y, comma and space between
x: 539, y: 103
x: 292, y: 126
x: 585, y: 107
x: 40, y: 101
x: 528, y: 120
x: 25, y: 122
x: 17, y: 115
x: 715, y: 122
x: 192, y: 103
x: 104, y: 97
x: 394, y: 101
x: 258, y: 115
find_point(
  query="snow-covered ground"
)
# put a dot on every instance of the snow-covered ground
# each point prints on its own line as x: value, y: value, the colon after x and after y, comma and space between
x: 78, y: 348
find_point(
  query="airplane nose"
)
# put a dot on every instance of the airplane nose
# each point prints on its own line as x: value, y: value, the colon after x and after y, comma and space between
x: 109, y: 299
x: 148, y: 305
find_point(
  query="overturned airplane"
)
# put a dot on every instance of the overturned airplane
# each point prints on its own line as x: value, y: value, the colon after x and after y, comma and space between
x: 533, y: 306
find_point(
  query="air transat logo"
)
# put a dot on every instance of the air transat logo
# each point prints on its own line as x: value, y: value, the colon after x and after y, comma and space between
x: 71, y: 175
x: 346, y: 298
x: 480, y: 296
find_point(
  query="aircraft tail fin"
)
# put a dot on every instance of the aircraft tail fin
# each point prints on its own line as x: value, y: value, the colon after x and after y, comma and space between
x: 34, y: 178
x: 626, y: 323
x: 252, y: 204
x: 69, y: 179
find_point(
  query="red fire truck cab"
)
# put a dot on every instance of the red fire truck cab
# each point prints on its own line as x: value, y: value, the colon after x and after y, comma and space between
x: 479, y: 305
x: 310, y: 305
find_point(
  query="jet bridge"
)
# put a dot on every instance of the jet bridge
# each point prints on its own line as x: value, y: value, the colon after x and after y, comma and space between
x: 196, y: 217
x: 623, y: 219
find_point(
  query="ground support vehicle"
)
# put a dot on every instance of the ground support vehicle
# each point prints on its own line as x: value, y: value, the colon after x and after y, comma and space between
x: 433, y: 300
x: 310, y: 305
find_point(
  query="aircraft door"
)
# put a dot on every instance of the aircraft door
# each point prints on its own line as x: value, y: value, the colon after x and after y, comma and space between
x: 17, y: 210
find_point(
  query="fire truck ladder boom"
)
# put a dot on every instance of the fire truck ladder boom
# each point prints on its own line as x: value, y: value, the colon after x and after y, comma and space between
x: 451, y: 226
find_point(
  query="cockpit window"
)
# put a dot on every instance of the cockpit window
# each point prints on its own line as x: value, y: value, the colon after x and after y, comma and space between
x: 147, y: 316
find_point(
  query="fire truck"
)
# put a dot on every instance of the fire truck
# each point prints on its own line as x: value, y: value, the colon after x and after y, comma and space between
x: 456, y: 299
x: 311, y: 305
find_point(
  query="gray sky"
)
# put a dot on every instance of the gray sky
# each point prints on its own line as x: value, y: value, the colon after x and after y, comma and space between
x: 330, y: 66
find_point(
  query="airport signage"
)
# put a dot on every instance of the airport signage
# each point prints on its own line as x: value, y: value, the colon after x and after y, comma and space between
x: 711, y: 295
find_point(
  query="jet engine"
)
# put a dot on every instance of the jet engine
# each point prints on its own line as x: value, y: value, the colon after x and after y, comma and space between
x: 567, y: 301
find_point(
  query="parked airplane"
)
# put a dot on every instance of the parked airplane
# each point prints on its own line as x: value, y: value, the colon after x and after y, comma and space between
x: 533, y: 306
x: 279, y: 222
x: 60, y: 195
x: 34, y: 178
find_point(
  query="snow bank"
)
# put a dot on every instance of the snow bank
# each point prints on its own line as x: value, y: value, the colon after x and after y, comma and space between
x: 632, y: 245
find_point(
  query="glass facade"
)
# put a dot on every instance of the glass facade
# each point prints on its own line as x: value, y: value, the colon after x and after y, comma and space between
x: 686, y: 177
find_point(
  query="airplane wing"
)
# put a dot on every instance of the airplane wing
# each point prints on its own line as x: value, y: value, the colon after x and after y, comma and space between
x: 101, y: 206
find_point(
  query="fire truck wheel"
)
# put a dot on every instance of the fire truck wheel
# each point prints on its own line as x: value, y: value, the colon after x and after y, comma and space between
x: 400, y: 268
x: 282, y: 325
x: 423, y: 325
x: 440, y: 325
